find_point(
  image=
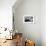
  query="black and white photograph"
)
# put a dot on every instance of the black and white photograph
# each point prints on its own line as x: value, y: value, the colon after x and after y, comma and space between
x: 28, y: 19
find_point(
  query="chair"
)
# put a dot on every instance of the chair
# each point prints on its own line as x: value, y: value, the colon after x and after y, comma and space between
x: 29, y: 43
x: 18, y: 39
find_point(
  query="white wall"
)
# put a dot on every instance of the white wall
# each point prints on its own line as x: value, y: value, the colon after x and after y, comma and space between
x: 31, y: 31
x: 6, y: 13
x: 35, y: 8
x: 43, y: 22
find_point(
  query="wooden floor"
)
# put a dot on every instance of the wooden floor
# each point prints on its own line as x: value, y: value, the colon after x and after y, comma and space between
x: 9, y: 43
x: 13, y: 41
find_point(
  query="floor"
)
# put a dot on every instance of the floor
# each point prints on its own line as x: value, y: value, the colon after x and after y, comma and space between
x: 9, y: 43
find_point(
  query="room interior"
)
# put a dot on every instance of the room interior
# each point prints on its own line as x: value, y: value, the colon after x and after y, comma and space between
x: 23, y: 23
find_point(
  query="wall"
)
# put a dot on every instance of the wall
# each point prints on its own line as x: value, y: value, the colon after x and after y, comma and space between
x: 30, y: 31
x: 43, y: 22
x: 6, y: 13
x: 6, y: 18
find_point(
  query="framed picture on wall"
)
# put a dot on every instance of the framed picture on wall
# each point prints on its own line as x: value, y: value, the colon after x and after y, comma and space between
x: 28, y: 19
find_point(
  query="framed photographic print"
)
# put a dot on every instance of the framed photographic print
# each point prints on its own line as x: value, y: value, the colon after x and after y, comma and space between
x: 28, y: 19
